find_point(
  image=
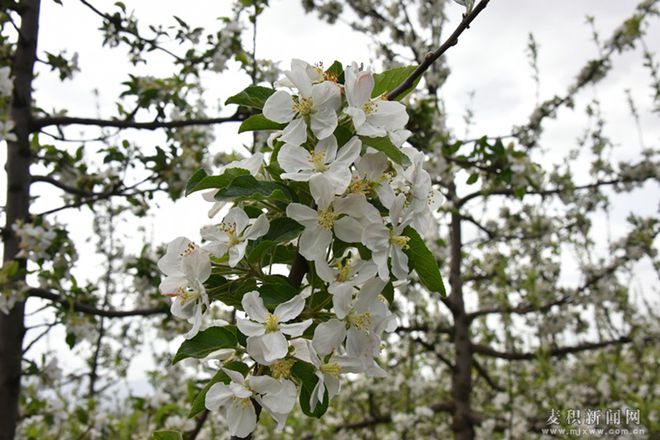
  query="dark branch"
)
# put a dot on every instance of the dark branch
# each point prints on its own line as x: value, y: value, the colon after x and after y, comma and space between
x: 548, y: 192
x: 65, y: 187
x: 556, y: 352
x: 90, y: 309
x: 431, y: 57
x: 40, y: 123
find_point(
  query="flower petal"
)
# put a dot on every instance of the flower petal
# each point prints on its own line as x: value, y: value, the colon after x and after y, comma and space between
x: 254, y: 306
x: 279, y: 107
x: 242, y: 419
x: 303, y: 214
x: 250, y: 328
x: 323, y: 122
x: 293, y: 158
x: 218, y: 395
x: 258, y: 229
x: 297, y: 329
x: 295, y: 133
x: 290, y: 309
x: 328, y: 336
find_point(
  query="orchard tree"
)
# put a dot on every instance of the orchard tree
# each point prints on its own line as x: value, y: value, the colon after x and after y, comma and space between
x: 312, y: 305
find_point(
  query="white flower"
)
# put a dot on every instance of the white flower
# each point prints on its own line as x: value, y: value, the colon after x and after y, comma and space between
x: 384, y: 241
x: 362, y: 314
x: 300, y: 165
x: 231, y: 236
x: 266, y: 342
x: 278, y: 398
x: 186, y: 267
x: 372, y: 175
x: 320, y: 223
x: 252, y: 164
x: 327, y: 371
x: 316, y: 103
x: 346, y: 273
x: 372, y: 117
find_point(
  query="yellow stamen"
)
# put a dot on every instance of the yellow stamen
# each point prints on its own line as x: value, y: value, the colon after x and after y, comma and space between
x: 331, y: 369
x: 362, y: 322
x: 230, y: 230
x: 281, y: 369
x: 271, y: 323
x: 242, y: 401
x: 318, y: 160
x: 400, y: 240
x: 369, y: 107
x: 303, y: 106
x: 188, y: 250
x: 326, y: 218
x: 344, y: 271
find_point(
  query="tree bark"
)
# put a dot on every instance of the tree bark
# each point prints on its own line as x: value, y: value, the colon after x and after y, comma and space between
x: 462, y: 424
x: 17, y: 208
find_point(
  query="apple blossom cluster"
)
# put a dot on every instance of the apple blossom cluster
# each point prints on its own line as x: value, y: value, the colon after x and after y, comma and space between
x: 335, y: 190
x: 6, y: 89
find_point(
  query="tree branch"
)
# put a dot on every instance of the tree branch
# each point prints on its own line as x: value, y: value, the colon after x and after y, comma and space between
x: 39, y: 123
x: 556, y: 352
x: 509, y: 192
x: 91, y: 310
x: 431, y: 57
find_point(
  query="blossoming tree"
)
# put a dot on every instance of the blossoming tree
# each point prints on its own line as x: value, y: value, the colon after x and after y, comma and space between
x: 312, y: 305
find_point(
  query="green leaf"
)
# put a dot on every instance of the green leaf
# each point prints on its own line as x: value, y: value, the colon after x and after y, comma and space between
x: 259, y: 122
x: 270, y: 252
x: 275, y: 290
x: 167, y: 435
x: 422, y: 260
x: 386, y: 146
x: 336, y: 70
x: 231, y: 293
x: 473, y: 178
x: 252, y: 96
x: 200, y: 180
x: 388, y: 292
x: 390, y: 79
x: 247, y: 187
x: 282, y: 230
x: 307, y: 375
x: 206, y: 342
x: 198, y: 404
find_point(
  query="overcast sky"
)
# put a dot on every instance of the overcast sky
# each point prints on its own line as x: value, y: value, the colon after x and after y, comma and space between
x: 489, y: 60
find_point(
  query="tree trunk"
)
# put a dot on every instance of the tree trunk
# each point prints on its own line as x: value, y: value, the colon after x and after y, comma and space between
x: 462, y: 424
x: 17, y: 208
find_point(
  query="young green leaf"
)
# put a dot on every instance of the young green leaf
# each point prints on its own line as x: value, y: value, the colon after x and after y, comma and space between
x: 422, y: 260
x: 167, y: 434
x: 390, y: 79
x: 386, y: 146
x: 252, y: 96
x: 200, y: 180
x: 206, y: 342
x: 259, y: 122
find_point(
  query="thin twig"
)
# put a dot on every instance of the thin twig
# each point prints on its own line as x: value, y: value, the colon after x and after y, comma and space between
x: 431, y: 57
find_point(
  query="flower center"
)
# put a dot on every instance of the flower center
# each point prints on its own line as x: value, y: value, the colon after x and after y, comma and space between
x: 186, y: 294
x: 230, y: 230
x: 326, y: 218
x: 303, y: 106
x: 331, y: 368
x: 318, y: 161
x: 271, y: 323
x: 362, y: 321
x: 344, y: 271
x: 400, y: 240
x: 242, y: 401
x: 281, y: 369
x: 369, y: 107
x: 188, y: 250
